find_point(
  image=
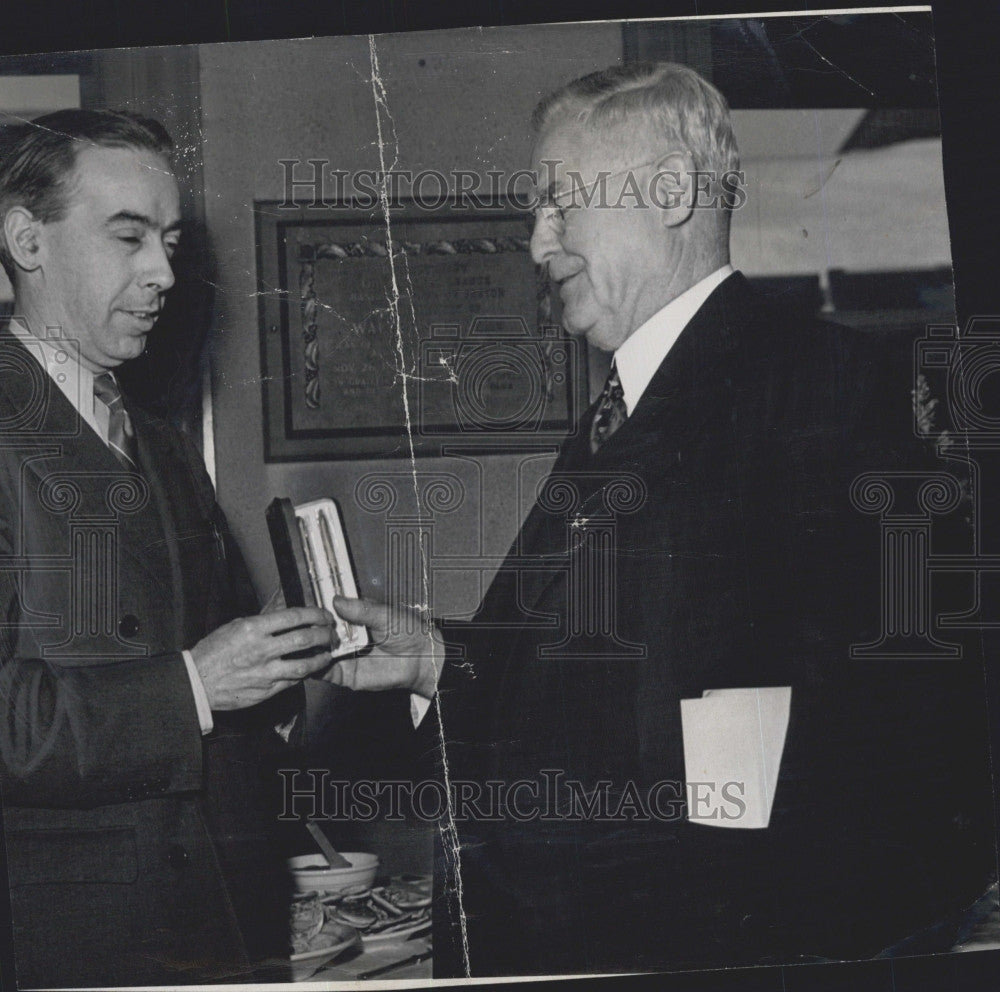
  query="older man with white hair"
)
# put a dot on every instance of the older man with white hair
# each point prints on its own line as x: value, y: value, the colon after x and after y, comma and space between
x: 696, y: 535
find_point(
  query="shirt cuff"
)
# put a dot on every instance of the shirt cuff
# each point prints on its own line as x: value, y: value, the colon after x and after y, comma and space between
x: 284, y: 730
x: 419, y: 705
x: 200, y: 696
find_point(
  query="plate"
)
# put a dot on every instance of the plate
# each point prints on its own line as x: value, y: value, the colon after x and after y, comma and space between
x: 404, y: 934
x: 329, y: 898
x: 306, y: 963
x: 418, y: 887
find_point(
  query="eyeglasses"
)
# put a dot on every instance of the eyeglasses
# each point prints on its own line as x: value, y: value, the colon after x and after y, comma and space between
x: 553, y: 211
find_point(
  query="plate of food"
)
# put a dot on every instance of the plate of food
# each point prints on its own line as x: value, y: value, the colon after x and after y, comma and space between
x: 410, y: 891
x: 383, y: 914
x: 314, y: 938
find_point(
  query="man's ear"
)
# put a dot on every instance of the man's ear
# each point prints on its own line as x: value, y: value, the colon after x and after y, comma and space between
x: 20, y: 231
x: 672, y: 188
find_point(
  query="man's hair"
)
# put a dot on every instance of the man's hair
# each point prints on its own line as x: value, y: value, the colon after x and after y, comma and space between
x: 669, y: 99
x: 37, y: 158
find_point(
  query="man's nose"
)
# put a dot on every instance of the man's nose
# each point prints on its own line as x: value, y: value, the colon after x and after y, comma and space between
x: 544, y: 243
x: 158, y: 273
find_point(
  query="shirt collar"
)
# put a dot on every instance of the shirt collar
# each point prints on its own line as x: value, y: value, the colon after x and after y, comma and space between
x: 644, y: 349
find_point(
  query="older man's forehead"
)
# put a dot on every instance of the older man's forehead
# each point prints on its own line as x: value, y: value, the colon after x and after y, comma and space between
x: 570, y: 152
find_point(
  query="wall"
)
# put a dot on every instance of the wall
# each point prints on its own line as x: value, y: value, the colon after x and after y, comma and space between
x: 465, y: 107
x: 25, y: 97
x: 810, y: 208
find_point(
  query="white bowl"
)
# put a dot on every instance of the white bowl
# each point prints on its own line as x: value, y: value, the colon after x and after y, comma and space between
x: 312, y: 874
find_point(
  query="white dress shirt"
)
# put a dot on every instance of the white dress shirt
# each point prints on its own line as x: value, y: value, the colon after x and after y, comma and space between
x: 645, y: 348
x: 77, y: 385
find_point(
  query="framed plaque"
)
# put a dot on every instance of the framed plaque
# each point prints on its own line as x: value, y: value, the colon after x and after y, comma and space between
x: 382, y: 340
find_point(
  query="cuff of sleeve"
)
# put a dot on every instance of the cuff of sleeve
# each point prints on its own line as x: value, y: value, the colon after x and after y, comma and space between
x: 200, y: 696
x: 419, y: 705
x: 284, y: 730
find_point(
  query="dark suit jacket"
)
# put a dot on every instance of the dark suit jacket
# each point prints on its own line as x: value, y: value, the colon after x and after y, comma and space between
x: 134, y: 851
x: 718, y: 519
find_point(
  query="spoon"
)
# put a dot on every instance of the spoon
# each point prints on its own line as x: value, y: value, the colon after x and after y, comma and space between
x: 334, y: 859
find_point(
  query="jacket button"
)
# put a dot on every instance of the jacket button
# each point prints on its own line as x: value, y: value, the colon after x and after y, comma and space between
x: 128, y: 625
x: 177, y: 857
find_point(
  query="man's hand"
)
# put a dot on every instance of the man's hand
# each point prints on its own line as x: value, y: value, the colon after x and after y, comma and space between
x: 408, y: 652
x: 241, y: 663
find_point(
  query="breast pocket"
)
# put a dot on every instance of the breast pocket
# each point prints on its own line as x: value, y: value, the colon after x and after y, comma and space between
x: 197, y: 545
x: 203, y: 537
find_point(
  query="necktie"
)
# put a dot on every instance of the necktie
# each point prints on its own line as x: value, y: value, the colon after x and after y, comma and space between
x: 121, y: 437
x: 611, y: 412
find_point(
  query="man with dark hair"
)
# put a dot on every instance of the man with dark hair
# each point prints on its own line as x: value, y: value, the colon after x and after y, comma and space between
x: 40, y: 156
x: 137, y: 710
x: 697, y: 535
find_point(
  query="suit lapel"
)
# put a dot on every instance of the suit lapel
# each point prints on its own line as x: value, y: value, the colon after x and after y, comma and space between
x: 692, y: 381
x: 153, y: 448
x: 81, y: 463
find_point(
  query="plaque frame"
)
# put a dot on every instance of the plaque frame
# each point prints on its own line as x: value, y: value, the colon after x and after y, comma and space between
x: 287, y: 319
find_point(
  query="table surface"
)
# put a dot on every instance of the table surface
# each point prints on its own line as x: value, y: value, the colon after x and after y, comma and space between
x: 354, y: 964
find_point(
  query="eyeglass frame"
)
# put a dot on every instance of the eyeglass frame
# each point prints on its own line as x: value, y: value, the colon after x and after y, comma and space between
x: 551, y: 198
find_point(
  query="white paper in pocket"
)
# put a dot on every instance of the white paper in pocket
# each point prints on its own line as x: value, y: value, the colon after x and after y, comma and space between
x: 733, y: 742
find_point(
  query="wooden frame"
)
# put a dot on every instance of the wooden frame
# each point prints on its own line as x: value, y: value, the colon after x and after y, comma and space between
x: 464, y: 348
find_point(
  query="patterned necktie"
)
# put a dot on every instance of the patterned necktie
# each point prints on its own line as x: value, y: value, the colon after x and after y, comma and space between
x: 611, y: 412
x: 121, y: 437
